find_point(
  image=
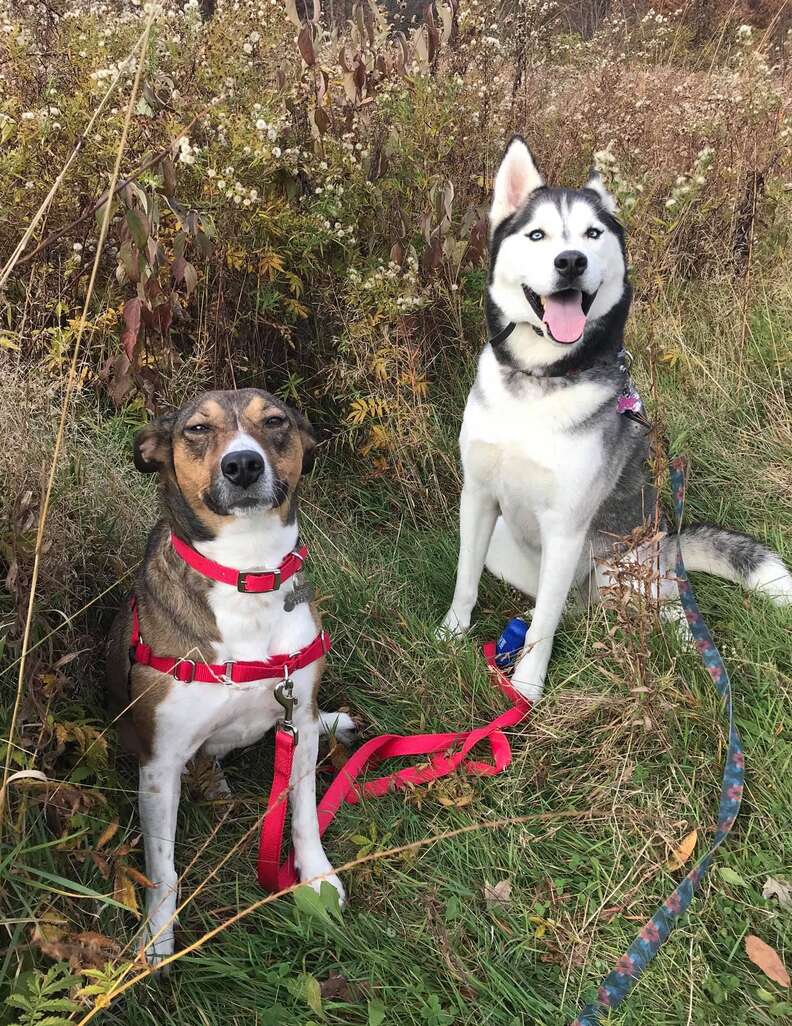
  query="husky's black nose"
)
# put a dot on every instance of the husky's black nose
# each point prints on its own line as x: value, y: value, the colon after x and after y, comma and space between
x: 571, y: 263
x: 242, y: 468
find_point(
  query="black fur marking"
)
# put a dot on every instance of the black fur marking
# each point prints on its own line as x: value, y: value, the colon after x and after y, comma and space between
x: 741, y: 550
x: 280, y: 492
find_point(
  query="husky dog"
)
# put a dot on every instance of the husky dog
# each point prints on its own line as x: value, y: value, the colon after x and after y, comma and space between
x: 553, y: 472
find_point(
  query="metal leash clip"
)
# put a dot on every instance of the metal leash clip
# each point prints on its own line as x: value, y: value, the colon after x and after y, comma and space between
x: 284, y: 696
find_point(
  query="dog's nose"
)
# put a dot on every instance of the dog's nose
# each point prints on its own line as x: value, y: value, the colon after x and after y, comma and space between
x: 571, y: 263
x: 242, y: 468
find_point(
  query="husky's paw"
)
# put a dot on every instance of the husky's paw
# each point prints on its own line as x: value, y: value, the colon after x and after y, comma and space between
x: 157, y: 950
x: 454, y: 625
x: 528, y: 679
x: 339, y: 725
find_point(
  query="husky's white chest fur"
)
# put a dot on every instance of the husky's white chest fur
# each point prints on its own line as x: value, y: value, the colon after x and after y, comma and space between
x: 526, y: 444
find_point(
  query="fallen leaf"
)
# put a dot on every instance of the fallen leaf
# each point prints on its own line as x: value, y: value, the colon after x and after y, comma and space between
x: 778, y: 889
x: 731, y: 877
x: 336, y: 988
x: 499, y: 893
x: 87, y: 950
x: 767, y: 959
x: 683, y: 852
x: 124, y: 889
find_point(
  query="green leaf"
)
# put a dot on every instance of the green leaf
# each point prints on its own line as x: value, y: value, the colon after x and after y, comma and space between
x: 731, y: 877
x: 138, y: 228
x: 376, y: 1012
x: 310, y: 992
x: 331, y: 902
x: 309, y: 903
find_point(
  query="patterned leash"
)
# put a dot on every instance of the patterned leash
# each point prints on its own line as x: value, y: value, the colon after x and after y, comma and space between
x: 618, y: 983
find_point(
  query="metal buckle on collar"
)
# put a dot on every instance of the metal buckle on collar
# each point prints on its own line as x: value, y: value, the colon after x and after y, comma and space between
x: 175, y: 672
x: 284, y: 696
x: 244, y: 574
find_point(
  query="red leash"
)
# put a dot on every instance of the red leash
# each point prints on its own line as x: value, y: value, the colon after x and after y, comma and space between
x: 274, y: 875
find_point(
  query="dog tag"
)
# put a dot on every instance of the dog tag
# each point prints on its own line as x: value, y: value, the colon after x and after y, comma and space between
x: 301, y: 591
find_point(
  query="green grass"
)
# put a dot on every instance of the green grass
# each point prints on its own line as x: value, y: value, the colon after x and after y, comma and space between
x: 613, y: 777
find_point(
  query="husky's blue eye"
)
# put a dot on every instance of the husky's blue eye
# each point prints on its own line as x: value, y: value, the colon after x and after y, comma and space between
x: 593, y: 233
x: 536, y: 235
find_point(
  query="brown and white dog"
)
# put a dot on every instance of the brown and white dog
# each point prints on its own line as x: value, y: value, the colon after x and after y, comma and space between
x: 229, y: 466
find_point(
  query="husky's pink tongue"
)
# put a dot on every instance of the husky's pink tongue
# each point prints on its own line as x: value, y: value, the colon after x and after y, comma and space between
x: 563, y: 315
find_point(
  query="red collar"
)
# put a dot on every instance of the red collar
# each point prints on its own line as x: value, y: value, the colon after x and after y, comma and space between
x: 248, y: 582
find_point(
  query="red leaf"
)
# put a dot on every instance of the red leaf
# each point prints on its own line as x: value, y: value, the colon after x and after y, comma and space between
x: 305, y: 45
x: 129, y: 336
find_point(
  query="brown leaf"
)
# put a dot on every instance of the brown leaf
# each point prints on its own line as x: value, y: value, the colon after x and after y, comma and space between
x: 138, y: 877
x: 336, y: 988
x: 168, y: 176
x: 118, y: 380
x: 87, y: 950
x: 101, y: 864
x: 767, y: 959
x: 133, y: 309
x: 190, y: 277
x: 683, y: 852
x: 109, y: 832
x: 124, y: 889
x: 305, y: 45
x: 498, y: 893
x: 779, y: 889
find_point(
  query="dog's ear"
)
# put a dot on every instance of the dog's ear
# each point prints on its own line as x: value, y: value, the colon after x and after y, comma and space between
x: 596, y: 184
x: 153, y: 444
x: 308, y: 439
x: 516, y: 179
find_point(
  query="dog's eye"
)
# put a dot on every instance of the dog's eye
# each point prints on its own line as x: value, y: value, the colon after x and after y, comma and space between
x: 197, y: 429
x: 593, y: 233
x: 274, y: 422
x: 536, y: 235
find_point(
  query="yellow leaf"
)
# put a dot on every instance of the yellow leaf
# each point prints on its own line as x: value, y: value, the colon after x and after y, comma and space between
x: 124, y: 890
x: 767, y: 959
x: 683, y: 852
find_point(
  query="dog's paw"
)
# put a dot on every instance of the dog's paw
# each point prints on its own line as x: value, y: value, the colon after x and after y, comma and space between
x: 528, y: 679
x: 340, y: 726
x: 454, y: 625
x: 158, y: 949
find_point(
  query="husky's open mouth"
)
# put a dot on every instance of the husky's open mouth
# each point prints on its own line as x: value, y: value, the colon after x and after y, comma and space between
x: 563, y: 313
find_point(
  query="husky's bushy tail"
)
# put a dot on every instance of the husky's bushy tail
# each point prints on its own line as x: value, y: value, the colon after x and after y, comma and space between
x: 736, y: 557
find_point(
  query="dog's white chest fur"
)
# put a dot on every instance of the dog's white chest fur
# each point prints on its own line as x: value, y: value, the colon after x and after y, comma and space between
x: 251, y: 628
x: 523, y: 446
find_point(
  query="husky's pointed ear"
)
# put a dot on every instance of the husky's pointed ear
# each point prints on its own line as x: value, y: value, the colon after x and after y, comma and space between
x: 516, y: 179
x: 596, y: 184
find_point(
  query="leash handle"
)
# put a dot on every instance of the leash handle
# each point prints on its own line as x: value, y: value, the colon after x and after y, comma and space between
x: 618, y: 983
x: 447, y: 752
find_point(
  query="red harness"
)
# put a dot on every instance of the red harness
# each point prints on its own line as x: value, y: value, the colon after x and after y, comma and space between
x: 447, y: 752
x: 239, y: 671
